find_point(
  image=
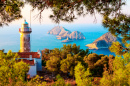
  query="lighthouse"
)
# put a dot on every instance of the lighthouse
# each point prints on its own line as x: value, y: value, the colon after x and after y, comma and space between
x: 25, y: 31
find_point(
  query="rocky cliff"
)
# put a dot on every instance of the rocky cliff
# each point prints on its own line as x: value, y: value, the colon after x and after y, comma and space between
x: 76, y: 35
x: 104, y: 41
x: 59, y: 30
x: 63, y: 33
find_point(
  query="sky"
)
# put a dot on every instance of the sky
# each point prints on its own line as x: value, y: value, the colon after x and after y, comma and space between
x: 88, y: 19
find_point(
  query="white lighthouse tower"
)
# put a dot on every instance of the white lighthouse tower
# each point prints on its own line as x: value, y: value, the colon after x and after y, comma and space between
x: 25, y: 37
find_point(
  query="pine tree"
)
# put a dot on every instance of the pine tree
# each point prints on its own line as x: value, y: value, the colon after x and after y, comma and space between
x: 82, y: 76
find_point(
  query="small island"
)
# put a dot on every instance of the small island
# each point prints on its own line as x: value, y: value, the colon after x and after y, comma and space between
x: 63, y: 33
x: 104, y: 41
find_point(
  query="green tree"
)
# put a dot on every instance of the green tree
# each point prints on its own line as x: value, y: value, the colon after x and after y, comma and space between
x: 96, y: 63
x: 91, y: 59
x: 53, y: 64
x: 83, y: 53
x: 67, y: 48
x: 75, y: 49
x: 10, y: 10
x: 35, y: 81
x: 120, y: 75
x: 60, y: 81
x: 119, y: 49
x: 45, y: 54
x: 55, y: 52
x: 82, y: 76
x: 11, y: 71
x: 68, y: 64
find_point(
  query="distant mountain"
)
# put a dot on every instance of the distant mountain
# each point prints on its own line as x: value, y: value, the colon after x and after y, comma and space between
x: 60, y: 31
x: 63, y: 33
x: 104, y: 41
x: 76, y: 35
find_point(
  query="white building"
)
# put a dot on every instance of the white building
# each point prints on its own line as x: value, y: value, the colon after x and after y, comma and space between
x: 34, y: 59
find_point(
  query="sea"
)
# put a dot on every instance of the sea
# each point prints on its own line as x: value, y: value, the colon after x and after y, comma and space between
x: 10, y: 37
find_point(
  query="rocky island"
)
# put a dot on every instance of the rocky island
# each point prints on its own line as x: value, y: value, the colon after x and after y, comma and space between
x: 67, y: 40
x: 104, y: 41
x: 63, y: 33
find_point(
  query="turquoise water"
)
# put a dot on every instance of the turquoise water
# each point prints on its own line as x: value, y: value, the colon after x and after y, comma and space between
x: 10, y: 37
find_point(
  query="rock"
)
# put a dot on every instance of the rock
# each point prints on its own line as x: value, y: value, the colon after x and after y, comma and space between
x: 67, y: 40
x: 104, y: 41
x: 55, y: 30
x: 76, y: 35
x: 60, y: 31
x: 63, y: 33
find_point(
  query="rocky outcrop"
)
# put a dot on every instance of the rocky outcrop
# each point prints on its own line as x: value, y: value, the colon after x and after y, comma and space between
x: 104, y: 41
x: 76, y: 35
x: 63, y: 33
x: 67, y: 40
x: 60, y: 31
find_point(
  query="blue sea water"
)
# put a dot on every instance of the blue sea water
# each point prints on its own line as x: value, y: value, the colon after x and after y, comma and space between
x: 10, y: 37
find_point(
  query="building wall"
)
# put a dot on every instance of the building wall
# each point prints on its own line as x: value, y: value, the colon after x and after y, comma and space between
x: 39, y: 65
x: 37, y: 61
x: 24, y: 42
x: 32, y: 71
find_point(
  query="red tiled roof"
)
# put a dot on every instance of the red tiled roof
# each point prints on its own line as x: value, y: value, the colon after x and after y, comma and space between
x: 27, y: 54
x: 30, y: 62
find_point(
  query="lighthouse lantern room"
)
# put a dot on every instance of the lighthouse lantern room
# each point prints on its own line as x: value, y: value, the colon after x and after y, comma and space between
x: 25, y: 31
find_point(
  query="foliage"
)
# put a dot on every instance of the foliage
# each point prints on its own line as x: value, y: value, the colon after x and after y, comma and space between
x: 91, y: 59
x: 36, y: 81
x: 45, y: 54
x: 55, y: 52
x: 120, y: 75
x: 68, y: 64
x: 53, y: 63
x: 64, y: 59
x: 119, y: 49
x: 65, y: 10
x: 96, y: 63
x: 33, y: 82
x: 60, y: 81
x: 118, y: 25
x: 62, y: 53
x: 84, y: 52
x: 11, y: 71
x: 43, y: 63
x: 82, y: 76
x: 10, y: 10
x: 75, y: 49
x: 69, y: 49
